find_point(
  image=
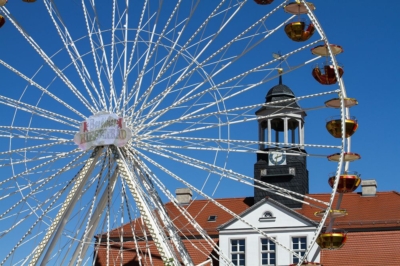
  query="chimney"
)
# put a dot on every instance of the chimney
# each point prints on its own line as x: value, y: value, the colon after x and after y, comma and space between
x: 368, y: 188
x: 183, y: 195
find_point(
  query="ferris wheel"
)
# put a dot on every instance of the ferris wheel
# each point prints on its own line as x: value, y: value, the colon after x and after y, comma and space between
x: 110, y: 106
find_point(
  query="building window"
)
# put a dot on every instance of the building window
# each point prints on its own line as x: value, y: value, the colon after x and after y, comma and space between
x: 238, y: 252
x: 212, y: 218
x: 263, y: 172
x: 299, y: 245
x: 292, y: 171
x: 268, y: 252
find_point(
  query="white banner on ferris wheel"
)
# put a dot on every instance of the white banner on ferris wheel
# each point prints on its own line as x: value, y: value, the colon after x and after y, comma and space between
x: 102, y: 129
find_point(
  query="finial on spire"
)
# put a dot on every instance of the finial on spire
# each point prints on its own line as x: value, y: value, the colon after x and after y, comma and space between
x: 280, y: 71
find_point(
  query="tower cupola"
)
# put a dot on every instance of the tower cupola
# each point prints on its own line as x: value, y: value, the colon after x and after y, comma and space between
x: 281, y: 120
x: 282, y: 160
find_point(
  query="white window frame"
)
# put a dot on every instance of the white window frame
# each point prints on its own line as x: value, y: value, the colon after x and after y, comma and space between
x: 267, y: 251
x: 299, y: 250
x: 238, y: 252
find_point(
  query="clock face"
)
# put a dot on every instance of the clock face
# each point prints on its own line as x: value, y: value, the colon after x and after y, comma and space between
x: 277, y: 158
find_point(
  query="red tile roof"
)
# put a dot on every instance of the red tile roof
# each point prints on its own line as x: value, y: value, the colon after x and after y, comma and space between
x: 366, y: 249
x: 200, y: 210
x: 198, y: 250
x: 381, y: 211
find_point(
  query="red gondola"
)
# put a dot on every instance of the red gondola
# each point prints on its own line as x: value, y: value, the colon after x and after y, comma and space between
x: 2, y: 21
x: 348, y: 182
x: 326, y: 75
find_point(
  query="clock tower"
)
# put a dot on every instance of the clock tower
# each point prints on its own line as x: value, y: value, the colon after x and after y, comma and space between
x: 282, y: 159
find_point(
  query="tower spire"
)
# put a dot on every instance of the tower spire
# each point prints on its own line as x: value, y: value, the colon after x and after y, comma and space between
x: 280, y: 71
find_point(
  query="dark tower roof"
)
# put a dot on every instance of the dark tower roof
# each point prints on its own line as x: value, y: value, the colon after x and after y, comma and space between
x: 281, y: 92
x: 278, y: 93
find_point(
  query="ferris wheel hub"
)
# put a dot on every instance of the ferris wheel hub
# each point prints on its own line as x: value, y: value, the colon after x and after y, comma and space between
x: 101, y: 129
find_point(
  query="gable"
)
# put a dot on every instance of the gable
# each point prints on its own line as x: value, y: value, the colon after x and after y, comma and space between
x: 282, y: 217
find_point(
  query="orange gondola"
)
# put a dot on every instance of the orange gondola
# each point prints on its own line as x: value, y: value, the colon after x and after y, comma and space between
x: 326, y: 75
x: 334, y: 127
x: 297, y: 31
x: 332, y: 240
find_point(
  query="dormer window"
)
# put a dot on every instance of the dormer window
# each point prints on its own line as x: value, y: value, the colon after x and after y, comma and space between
x: 267, y: 217
x: 212, y: 218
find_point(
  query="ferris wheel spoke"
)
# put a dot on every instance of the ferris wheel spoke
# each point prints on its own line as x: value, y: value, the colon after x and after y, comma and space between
x: 230, y: 95
x: 167, y: 223
x: 228, y: 145
x: 33, y: 212
x: 159, y: 237
x: 93, y: 221
x: 186, y: 98
x: 26, y: 137
x: 35, y: 159
x: 35, y: 147
x: 148, y: 55
x: 122, y: 96
x: 40, y: 218
x: 135, y: 43
x: 85, y: 214
x: 225, y: 47
x: 38, y: 111
x: 134, y: 92
x: 114, y: 3
x: 146, y: 93
x: 47, y: 59
x: 33, y: 83
x: 32, y: 169
x: 66, y: 209
x: 223, y: 172
x: 187, y: 184
x: 41, y: 183
x: 183, y: 211
x: 198, y: 125
x: 94, y: 29
x: 29, y: 129
x: 74, y: 54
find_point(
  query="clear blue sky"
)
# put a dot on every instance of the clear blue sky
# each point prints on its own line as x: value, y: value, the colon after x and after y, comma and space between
x: 368, y: 33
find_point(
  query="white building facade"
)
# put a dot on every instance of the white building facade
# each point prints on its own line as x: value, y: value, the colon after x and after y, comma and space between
x: 246, y: 246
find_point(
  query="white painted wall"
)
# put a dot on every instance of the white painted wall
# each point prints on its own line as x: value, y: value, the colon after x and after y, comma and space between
x: 283, y: 228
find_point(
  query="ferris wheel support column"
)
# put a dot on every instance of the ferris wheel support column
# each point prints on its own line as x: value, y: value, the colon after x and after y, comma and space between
x: 86, y: 238
x: 55, y: 229
x: 169, y: 226
x: 160, y: 239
